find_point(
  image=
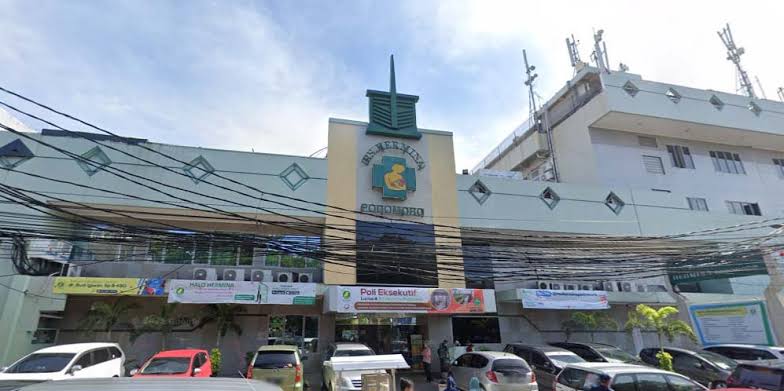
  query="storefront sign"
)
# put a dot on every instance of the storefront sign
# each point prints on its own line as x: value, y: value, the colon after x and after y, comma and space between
x: 390, y: 145
x: 358, y: 299
x: 241, y: 292
x: 392, y: 210
x: 108, y: 286
x: 744, y: 323
x: 690, y: 271
x: 565, y: 300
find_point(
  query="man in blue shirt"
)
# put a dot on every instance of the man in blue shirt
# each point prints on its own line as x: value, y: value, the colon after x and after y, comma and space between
x: 604, y: 384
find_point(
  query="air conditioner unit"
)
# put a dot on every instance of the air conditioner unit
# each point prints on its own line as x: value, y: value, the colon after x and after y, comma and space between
x: 586, y: 286
x: 284, y: 277
x: 542, y: 285
x: 205, y: 273
x: 49, y: 249
x: 608, y: 286
x: 556, y: 286
x: 234, y: 274
x: 569, y: 286
x: 640, y: 288
x: 303, y: 277
x: 625, y: 286
x: 552, y: 285
x: 74, y: 271
x: 656, y: 288
x: 260, y: 275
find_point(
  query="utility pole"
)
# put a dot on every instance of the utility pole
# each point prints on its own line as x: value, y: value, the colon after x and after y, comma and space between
x: 539, y: 121
x: 733, y: 54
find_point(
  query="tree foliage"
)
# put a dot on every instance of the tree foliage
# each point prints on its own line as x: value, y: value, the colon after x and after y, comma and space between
x: 664, y: 323
x: 589, y: 321
x: 164, y: 322
x: 104, y: 316
x: 224, y: 316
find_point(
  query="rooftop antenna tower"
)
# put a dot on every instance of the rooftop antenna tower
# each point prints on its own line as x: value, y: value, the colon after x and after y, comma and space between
x: 599, y: 54
x: 780, y: 91
x: 539, y: 122
x: 759, y: 85
x: 574, y: 54
x: 733, y: 54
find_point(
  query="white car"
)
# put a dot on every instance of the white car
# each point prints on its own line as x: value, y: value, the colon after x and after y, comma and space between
x: 623, y: 377
x: 496, y: 371
x: 739, y: 352
x: 350, y: 380
x: 79, y: 360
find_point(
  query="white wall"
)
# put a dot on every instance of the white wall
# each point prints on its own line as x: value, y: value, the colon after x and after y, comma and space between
x: 619, y: 162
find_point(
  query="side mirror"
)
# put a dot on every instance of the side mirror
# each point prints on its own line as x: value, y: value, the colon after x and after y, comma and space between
x: 134, y: 371
x: 75, y: 368
x: 196, y: 371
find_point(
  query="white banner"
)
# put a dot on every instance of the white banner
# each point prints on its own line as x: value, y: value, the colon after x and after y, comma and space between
x: 565, y: 300
x: 744, y: 323
x: 241, y: 292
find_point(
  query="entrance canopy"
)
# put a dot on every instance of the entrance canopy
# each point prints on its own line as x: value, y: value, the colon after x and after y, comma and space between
x: 362, y: 363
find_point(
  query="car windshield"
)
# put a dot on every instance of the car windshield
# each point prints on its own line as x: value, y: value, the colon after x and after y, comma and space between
x: 353, y: 352
x: 42, y: 363
x: 271, y: 359
x: 166, y: 366
x: 565, y: 358
x: 510, y: 366
x: 718, y: 360
x: 617, y: 354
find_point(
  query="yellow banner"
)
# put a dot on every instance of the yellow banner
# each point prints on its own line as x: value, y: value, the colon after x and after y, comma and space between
x: 98, y: 286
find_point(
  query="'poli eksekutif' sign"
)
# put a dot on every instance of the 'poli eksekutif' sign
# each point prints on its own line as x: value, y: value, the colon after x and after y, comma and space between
x: 108, y: 286
x: 241, y: 292
x: 372, y: 299
x: 564, y: 300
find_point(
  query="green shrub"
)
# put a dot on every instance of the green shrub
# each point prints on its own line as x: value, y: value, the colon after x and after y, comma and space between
x: 215, y: 358
x: 665, y: 360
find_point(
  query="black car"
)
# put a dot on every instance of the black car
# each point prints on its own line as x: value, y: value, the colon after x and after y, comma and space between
x: 705, y: 367
x: 598, y: 352
x: 764, y: 375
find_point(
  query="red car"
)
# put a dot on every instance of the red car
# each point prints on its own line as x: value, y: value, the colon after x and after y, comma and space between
x: 177, y: 363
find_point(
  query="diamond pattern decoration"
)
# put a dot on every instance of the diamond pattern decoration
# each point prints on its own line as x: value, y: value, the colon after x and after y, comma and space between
x: 754, y: 108
x: 550, y: 198
x: 14, y: 154
x: 673, y: 95
x: 294, y: 176
x: 198, y: 169
x: 480, y: 192
x: 631, y: 89
x: 97, y: 160
x: 614, y: 202
x: 716, y: 102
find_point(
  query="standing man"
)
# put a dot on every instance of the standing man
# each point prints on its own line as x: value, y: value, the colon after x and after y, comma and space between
x: 443, y: 358
x: 427, y: 359
x: 604, y: 383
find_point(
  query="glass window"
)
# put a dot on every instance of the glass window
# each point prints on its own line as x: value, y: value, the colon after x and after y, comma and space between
x: 681, y: 361
x: 42, y: 363
x: 718, y: 360
x: 179, y: 253
x: 651, y: 382
x: 696, y: 203
x: 100, y: 355
x: 680, y: 384
x: 727, y: 162
x: 625, y: 383
x: 587, y: 354
x: 296, y: 330
x: 572, y: 377
x: 653, y: 164
x: 538, y: 359
x: 476, y: 330
x: 779, y: 163
x: 680, y: 156
x: 167, y: 366
x: 85, y: 360
x: 507, y: 365
x: 246, y: 255
x: 223, y: 254
x: 114, y: 353
x: 744, y: 208
x: 202, y: 252
x: 270, y: 359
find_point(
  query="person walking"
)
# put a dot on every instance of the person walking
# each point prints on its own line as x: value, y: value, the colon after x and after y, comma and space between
x: 443, y: 358
x: 406, y: 385
x: 427, y: 360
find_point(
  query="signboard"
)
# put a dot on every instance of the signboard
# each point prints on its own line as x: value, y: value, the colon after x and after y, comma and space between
x: 241, y: 292
x: 743, y: 323
x: 361, y: 299
x: 565, y: 300
x: 690, y: 271
x: 108, y: 286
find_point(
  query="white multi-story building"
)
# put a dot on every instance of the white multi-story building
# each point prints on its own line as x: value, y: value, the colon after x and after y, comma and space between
x: 713, y: 151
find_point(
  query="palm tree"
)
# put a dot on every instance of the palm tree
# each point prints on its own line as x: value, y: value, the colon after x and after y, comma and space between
x: 224, y: 316
x: 104, y: 316
x: 661, y: 321
x: 164, y: 322
x: 590, y: 322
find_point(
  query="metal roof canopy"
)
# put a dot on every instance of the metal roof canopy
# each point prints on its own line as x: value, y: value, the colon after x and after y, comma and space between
x: 361, y: 363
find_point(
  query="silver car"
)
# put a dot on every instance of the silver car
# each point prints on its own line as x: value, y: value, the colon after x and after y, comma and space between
x: 623, y: 377
x: 496, y: 371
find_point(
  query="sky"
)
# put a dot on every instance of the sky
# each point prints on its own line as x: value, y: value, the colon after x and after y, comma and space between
x: 267, y: 75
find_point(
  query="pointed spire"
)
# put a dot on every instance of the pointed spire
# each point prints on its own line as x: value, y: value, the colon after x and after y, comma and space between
x: 392, y: 91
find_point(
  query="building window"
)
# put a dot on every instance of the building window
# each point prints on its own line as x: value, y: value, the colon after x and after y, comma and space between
x: 476, y: 330
x: 696, y: 203
x: 744, y: 208
x: 727, y: 162
x: 680, y: 156
x: 653, y: 164
x: 396, y: 254
x: 780, y: 164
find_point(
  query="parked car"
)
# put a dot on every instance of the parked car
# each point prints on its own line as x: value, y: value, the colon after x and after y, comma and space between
x: 748, y: 352
x: 623, y: 377
x: 177, y: 363
x: 764, y: 374
x: 278, y: 364
x: 546, y: 361
x: 496, y: 371
x: 61, y: 362
x: 708, y: 368
x: 350, y: 380
x: 598, y: 352
x: 153, y: 383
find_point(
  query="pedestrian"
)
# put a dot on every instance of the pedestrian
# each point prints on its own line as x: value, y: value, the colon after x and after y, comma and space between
x: 470, y: 347
x: 450, y: 382
x: 443, y: 358
x: 604, y: 383
x: 406, y: 385
x: 427, y: 360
